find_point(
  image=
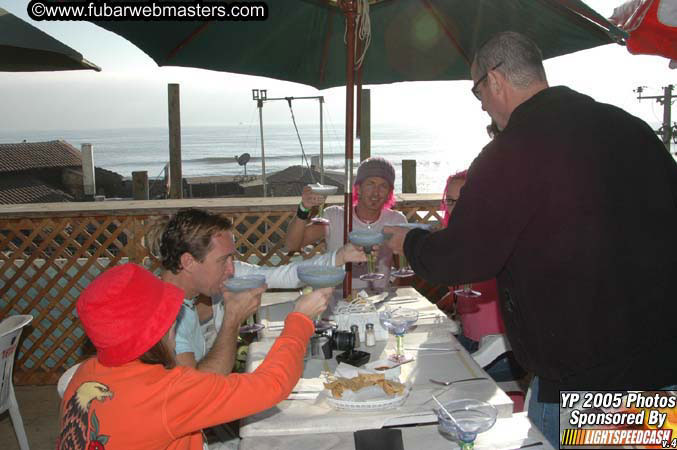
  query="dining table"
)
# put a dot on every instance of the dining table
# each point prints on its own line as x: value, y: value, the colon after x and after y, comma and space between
x: 508, y: 433
x: 437, y: 355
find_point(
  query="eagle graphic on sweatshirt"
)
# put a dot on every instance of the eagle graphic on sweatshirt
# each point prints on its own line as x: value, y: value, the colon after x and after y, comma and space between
x: 75, y: 424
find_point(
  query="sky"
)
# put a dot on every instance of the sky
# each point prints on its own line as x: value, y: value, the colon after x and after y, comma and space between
x: 131, y: 90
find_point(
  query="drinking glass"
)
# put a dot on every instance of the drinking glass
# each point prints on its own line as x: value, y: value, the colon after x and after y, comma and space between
x: 243, y: 283
x: 405, y: 270
x: 324, y: 190
x: 319, y: 277
x: 367, y: 239
x: 398, y: 322
x: 469, y: 417
x: 467, y: 291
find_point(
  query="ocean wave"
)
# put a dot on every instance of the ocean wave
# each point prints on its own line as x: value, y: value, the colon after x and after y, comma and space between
x: 254, y: 159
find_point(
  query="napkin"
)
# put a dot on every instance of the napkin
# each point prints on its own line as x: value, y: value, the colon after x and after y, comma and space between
x: 307, y: 389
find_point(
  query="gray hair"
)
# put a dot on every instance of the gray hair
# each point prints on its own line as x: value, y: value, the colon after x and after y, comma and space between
x: 520, y: 58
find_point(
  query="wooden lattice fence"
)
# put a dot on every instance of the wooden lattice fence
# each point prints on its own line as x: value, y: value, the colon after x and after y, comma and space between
x: 50, y: 252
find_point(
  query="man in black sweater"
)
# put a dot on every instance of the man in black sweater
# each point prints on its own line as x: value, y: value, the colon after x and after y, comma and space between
x: 573, y: 207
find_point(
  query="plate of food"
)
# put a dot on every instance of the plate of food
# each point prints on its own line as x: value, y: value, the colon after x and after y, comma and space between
x: 366, y: 392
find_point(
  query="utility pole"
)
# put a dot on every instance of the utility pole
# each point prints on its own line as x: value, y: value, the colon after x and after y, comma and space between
x: 668, y: 130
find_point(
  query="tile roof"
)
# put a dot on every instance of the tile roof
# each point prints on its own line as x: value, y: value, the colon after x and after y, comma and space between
x: 18, y: 188
x: 300, y: 174
x: 38, y: 155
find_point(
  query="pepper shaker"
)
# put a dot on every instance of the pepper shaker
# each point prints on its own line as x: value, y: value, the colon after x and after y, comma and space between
x: 356, y: 331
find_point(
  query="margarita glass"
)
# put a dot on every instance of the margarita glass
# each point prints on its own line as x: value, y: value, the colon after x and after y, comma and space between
x: 316, y: 277
x: 367, y: 239
x: 324, y: 190
x: 398, y: 322
x: 469, y: 417
x: 405, y: 270
x: 244, y: 283
x: 467, y: 291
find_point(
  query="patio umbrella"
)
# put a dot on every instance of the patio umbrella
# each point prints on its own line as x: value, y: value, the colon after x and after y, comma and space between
x: 652, y: 26
x: 411, y: 40
x: 24, y: 48
x: 313, y: 42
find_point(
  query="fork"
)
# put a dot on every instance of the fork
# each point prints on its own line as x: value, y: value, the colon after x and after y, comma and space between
x: 447, y: 382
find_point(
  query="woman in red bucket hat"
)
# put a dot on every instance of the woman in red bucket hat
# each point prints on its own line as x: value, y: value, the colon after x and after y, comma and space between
x: 133, y: 396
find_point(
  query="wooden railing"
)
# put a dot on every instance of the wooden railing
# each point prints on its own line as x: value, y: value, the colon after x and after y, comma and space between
x: 50, y: 252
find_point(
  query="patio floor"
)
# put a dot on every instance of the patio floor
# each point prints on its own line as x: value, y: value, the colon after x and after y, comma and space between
x: 39, y: 407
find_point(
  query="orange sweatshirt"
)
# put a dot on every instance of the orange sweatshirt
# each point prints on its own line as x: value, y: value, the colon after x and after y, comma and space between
x: 146, y: 407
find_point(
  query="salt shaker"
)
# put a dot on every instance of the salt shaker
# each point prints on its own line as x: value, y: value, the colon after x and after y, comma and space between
x: 356, y: 331
x: 370, y: 335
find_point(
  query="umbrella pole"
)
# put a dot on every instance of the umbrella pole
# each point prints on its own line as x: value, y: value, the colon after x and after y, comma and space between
x: 349, y: 8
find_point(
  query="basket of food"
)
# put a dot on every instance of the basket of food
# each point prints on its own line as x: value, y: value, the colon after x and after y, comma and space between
x: 366, y: 392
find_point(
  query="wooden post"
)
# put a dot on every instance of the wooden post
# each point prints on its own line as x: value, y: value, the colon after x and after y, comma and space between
x: 140, y: 189
x: 175, y: 174
x: 365, y: 125
x: 88, y: 178
x: 408, y: 176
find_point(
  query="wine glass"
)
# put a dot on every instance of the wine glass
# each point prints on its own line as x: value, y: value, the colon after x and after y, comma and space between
x: 243, y: 283
x: 324, y: 190
x: 398, y: 321
x: 320, y: 277
x: 405, y: 270
x: 467, y: 291
x: 367, y: 239
x: 469, y: 417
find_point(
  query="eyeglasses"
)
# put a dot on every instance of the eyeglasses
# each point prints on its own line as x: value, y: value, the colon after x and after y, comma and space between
x: 474, y: 89
x: 451, y: 202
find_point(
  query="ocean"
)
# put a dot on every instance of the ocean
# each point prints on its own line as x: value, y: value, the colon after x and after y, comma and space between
x: 209, y: 151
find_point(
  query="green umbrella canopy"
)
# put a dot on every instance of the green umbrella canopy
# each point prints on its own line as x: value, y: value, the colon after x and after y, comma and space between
x: 411, y: 40
x: 24, y: 48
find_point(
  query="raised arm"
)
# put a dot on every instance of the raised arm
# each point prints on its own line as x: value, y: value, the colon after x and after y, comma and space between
x: 198, y: 400
x: 300, y: 231
x: 221, y: 357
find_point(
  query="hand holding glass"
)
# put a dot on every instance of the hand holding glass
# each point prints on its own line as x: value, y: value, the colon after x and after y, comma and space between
x: 367, y: 239
x: 320, y: 277
x: 323, y: 190
x: 405, y: 271
x: 241, y: 284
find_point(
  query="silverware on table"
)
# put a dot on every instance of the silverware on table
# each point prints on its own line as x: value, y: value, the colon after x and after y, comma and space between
x: 533, y: 444
x: 450, y: 382
x: 433, y: 349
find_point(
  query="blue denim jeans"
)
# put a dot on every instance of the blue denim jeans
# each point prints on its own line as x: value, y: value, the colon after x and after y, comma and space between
x: 505, y: 368
x: 546, y: 416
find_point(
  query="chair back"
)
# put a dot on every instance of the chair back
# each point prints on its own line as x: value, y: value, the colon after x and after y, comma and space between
x: 10, y: 331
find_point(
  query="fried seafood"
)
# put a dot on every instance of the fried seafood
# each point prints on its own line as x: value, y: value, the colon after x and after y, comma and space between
x: 361, y: 381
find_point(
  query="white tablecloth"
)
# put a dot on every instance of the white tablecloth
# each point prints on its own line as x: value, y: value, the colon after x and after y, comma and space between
x: 309, y: 416
x: 507, y: 434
